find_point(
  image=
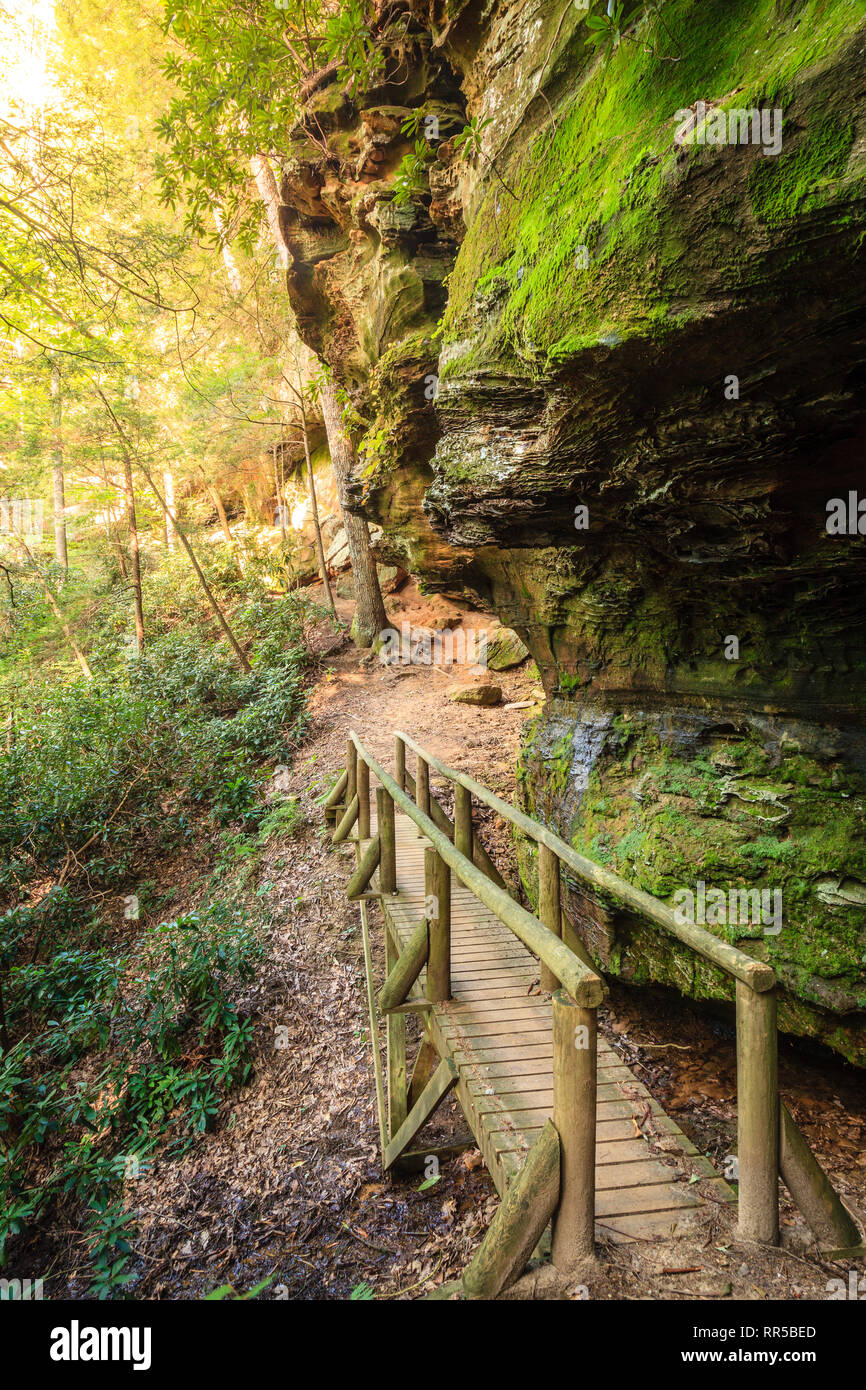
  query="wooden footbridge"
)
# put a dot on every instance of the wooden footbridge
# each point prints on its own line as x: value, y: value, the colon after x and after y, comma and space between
x: 576, y: 1145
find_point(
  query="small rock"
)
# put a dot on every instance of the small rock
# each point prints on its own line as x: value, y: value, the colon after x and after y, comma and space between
x: 505, y: 649
x: 475, y: 694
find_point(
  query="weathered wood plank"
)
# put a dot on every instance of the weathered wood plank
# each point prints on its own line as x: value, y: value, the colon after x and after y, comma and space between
x: 496, y: 1034
x: 437, y: 1088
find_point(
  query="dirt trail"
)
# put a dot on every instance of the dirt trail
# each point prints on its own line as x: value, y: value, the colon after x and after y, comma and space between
x: 290, y: 1182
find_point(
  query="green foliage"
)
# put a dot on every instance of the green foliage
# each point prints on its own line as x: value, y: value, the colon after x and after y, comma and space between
x: 239, y: 72
x: 96, y: 765
x: 605, y: 30
x: 100, y: 776
x: 468, y: 142
x: 349, y: 41
x: 411, y: 178
x: 179, y: 1047
x: 228, y: 1291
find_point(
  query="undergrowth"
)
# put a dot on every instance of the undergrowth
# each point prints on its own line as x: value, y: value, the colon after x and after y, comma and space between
x: 121, y: 1034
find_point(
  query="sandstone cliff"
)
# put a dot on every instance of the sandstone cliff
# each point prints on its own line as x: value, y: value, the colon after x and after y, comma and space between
x: 607, y: 375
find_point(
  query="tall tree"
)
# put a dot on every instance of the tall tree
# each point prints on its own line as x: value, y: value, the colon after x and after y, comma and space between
x: 134, y: 553
x: 301, y: 396
x: 370, y: 619
x: 168, y: 489
x: 57, y: 465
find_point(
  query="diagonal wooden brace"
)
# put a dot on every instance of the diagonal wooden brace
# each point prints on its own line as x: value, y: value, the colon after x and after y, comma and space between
x: 516, y: 1228
x: 808, y: 1184
x: 365, y: 870
x: 443, y: 1079
x: 346, y: 823
x: 335, y: 795
x: 409, y: 966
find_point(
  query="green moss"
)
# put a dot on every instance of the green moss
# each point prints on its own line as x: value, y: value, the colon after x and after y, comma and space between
x: 666, y: 818
x: 782, y: 187
x: 603, y: 180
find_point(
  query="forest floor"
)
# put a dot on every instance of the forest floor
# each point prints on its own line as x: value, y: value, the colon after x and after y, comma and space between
x: 289, y: 1185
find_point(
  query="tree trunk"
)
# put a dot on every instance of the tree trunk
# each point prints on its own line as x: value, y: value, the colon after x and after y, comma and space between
x: 270, y: 196
x: 79, y: 654
x: 224, y: 523
x: 134, y: 556
x: 168, y: 513
x: 211, y: 597
x: 370, y: 619
x: 314, y: 508
x: 236, y: 647
x: 57, y: 467
x: 281, y: 501
x: 114, y: 533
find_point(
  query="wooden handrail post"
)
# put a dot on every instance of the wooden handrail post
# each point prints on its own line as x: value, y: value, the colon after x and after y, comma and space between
x: 400, y: 763
x: 757, y: 1115
x: 422, y: 787
x: 575, y: 1084
x: 548, y: 904
x: 463, y: 820
x: 351, y: 771
x: 437, y: 892
x: 387, y: 841
x: 363, y: 800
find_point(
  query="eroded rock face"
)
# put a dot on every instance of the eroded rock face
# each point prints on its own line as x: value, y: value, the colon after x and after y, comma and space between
x: 648, y: 386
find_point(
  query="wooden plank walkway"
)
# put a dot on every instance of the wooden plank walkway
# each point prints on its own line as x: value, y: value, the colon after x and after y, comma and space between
x: 500, y: 1037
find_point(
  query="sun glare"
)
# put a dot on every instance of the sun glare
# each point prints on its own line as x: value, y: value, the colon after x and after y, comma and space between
x: 26, y: 31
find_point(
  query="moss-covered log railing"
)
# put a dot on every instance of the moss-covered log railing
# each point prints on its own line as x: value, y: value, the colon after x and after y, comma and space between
x: 769, y: 1143
x: 558, y: 1179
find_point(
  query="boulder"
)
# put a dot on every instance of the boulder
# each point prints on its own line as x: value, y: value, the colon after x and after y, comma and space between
x: 484, y: 695
x: 391, y: 577
x: 505, y: 649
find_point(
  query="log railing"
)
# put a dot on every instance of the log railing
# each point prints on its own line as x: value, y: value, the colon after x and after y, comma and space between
x: 562, y: 1171
x: 561, y: 1166
x: 769, y: 1143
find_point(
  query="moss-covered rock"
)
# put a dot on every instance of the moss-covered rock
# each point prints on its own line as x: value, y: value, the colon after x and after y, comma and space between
x: 611, y: 377
x: 755, y: 804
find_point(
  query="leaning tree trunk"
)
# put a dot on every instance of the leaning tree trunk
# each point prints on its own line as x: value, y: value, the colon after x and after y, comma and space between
x: 79, y: 654
x: 209, y: 594
x: 370, y: 619
x: 314, y: 507
x: 134, y: 555
x: 217, y: 500
x: 168, y: 489
x: 57, y: 467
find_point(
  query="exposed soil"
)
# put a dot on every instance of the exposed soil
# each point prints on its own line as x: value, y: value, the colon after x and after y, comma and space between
x: 290, y: 1184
